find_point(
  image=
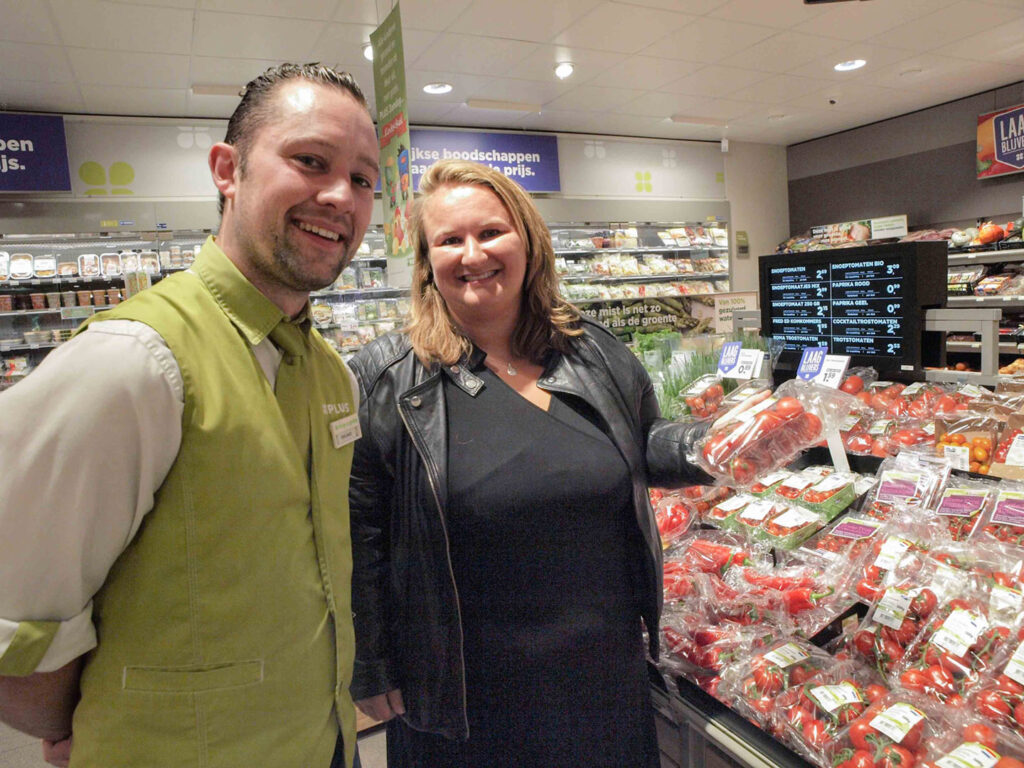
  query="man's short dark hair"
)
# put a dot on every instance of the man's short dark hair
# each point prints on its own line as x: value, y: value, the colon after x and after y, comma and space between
x: 253, y: 109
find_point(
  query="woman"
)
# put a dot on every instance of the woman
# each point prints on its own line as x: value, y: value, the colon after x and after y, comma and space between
x: 504, y: 545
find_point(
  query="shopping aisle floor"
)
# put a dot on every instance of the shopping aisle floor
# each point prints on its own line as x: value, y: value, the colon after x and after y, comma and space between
x: 20, y: 751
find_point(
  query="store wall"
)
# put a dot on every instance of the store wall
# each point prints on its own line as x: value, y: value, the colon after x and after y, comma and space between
x: 758, y: 197
x: 921, y: 164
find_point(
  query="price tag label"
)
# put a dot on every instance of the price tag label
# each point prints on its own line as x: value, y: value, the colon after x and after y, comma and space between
x: 970, y: 754
x: 961, y: 502
x: 832, y: 371
x: 832, y: 697
x: 958, y: 456
x: 757, y: 511
x: 736, y: 502
x: 1015, y: 666
x: 856, y: 528
x: 811, y: 362
x: 960, y: 631
x: 896, y: 721
x: 948, y: 581
x: 893, y: 607
x: 1015, y: 455
x: 786, y: 655
x: 891, y: 552
x: 1009, y: 508
x: 1006, y: 599
x: 749, y: 364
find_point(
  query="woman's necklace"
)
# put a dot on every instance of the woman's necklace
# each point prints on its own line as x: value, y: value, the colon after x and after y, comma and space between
x: 509, y: 368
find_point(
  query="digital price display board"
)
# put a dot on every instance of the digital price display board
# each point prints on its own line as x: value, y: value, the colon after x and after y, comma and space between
x: 863, y: 302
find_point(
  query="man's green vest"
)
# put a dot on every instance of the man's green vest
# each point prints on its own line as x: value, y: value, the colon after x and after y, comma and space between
x: 225, y: 627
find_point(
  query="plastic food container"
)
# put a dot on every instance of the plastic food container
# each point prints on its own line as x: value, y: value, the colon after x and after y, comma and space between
x: 113, y: 296
x: 45, y: 266
x: 84, y: 298
x: 38, y: 300
x: 89, y: 265
x: 53, y: 300
x: 68, y: 298
x: 6, y: 303
x: 21, y: 266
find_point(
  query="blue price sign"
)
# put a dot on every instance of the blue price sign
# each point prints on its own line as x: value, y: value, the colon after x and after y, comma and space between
x: 33, y: 154
x: 530, y: 159
x: 730, y: 356
x: 811, y: 362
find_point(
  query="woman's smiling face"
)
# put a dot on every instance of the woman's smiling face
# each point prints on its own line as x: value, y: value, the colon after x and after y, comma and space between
x: 476, y: 254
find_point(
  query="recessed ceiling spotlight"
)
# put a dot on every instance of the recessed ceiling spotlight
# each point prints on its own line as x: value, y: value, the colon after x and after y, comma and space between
x: 368, y: 51
x: 564, y: 69
x: 911, y: 72
x: 436, y: 89
x: 846, y: 66
x: 776, y: 118
x: 696, y: 120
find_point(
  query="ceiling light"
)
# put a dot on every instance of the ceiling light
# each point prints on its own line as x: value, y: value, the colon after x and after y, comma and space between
x: 776, y: 118
x: 693, y: 120
x: 216, y: 90
x: 368, y: 52
x: 436, y: 89
x: 510, y: 106
x: 911, y: 72
x: 846, y: 66
x: 564, y: 69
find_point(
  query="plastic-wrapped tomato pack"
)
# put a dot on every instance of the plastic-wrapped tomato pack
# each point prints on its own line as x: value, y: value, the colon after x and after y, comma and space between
x: 674, y: 516
x: 785, y: 664
x: 846, y: 539
x: 906, y: 481
x: 892, y: 732
x: 811, y: 715
x: 703, y: 398
x: 962, y: 504
x: 971, y: 742
x: 1006, y: 521
x: 771, y: 433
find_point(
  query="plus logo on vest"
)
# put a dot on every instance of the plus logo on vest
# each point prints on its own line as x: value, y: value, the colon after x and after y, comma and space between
x: 336, y: 409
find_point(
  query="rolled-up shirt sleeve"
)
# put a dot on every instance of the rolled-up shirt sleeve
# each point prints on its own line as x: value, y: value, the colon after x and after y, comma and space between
x: 87, y: 439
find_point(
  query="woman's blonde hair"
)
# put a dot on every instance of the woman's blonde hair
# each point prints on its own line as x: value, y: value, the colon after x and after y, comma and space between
x: 547, y: 321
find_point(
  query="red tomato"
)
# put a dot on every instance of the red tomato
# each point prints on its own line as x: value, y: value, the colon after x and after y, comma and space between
x: 862, y: 735
x: 1008, y: 762
x: 914, y: 680
x: 853, y: 384
x: 894, y: 756
x: 980, y: 733
x: 992, y: 705
x: 875, y: 691
x: 788, y: 407
x: 815, y: 733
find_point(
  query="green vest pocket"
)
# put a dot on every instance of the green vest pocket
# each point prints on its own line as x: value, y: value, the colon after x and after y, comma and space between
x: 188, y: 679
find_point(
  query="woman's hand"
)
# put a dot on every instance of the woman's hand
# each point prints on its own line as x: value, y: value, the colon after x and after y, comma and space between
x: 382, y: 707
x: 57, y: 752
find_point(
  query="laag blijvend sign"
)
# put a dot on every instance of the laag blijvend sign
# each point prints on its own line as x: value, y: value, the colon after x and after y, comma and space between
x: 1001, y: 142
x: 33, y: 154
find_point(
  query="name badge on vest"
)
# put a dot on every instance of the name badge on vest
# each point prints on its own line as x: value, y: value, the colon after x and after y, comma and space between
x: 345, y: 431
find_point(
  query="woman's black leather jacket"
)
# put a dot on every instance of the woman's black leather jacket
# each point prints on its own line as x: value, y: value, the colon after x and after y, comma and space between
x: 404, y: 596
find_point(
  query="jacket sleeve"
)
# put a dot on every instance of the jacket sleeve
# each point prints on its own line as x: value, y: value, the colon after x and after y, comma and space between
x: 369, y: 492
x: 668, y: 443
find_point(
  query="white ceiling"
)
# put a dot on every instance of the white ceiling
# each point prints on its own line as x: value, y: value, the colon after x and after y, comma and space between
x: 762, y: 66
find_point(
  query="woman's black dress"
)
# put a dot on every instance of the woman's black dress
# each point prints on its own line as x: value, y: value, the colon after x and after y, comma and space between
x: 546, y: 556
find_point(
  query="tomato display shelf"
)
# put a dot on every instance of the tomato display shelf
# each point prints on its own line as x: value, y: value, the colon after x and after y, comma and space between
x: 697, y: 729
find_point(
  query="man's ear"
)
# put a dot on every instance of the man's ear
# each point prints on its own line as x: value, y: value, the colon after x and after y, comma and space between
x: 225, y: 168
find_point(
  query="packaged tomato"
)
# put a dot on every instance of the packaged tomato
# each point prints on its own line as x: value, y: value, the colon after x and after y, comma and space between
x: 784, y: 664
x: 962, y: 503
x: 702, y: 399
x: 772, y: 433
x: 846, y: 539
x: 857, y: 379
x: 808, y: 717
x: 750, y: 520
x: 831, y: 495
x: 1006, y: 521
x: 999, y: 698
x: 791, y: 526
x: 724, y: 512
x: 910, y: 433
x: 854, y: 432
x: 905, y: 482
x: 968, y: 443
x: 765, y: 485
x: 891, y: 733
x: 702, y: 498
x: 953, y: 650
x: 973, y: 742
x: 674, y: 517
x: 792, y: 487
x: 743, y: 398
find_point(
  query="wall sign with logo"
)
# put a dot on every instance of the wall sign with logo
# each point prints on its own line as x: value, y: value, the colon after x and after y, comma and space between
x: 625, y: 317
x: 1001, y: 142
x: 33, y: 154
x: 530, y: 159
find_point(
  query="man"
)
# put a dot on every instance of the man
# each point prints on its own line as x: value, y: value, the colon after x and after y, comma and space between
x: 174, y: 536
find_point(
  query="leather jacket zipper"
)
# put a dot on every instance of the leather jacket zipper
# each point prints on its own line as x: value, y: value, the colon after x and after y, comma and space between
x: 431, y: 478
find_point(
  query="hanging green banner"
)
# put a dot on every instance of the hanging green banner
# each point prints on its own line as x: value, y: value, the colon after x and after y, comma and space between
x: 396, y: 181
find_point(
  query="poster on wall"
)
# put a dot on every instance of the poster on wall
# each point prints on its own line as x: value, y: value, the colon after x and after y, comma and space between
x: 690, y: 315
x: 33, y: 154
x: 527, y: 158
x: 393, y: 127
x: 1001, y: 142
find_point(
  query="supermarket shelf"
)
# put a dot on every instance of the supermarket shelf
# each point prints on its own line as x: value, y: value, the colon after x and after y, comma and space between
x: 985, y: 257
x: 1006, y: 302
x: 354, y: 294
x: 645, y: 278
x: 654, y: 249
x: 27, y: 347
x: 21, y: 312
x: 962, y: 377
x: 1005, y: 347
x: 636, y: 298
